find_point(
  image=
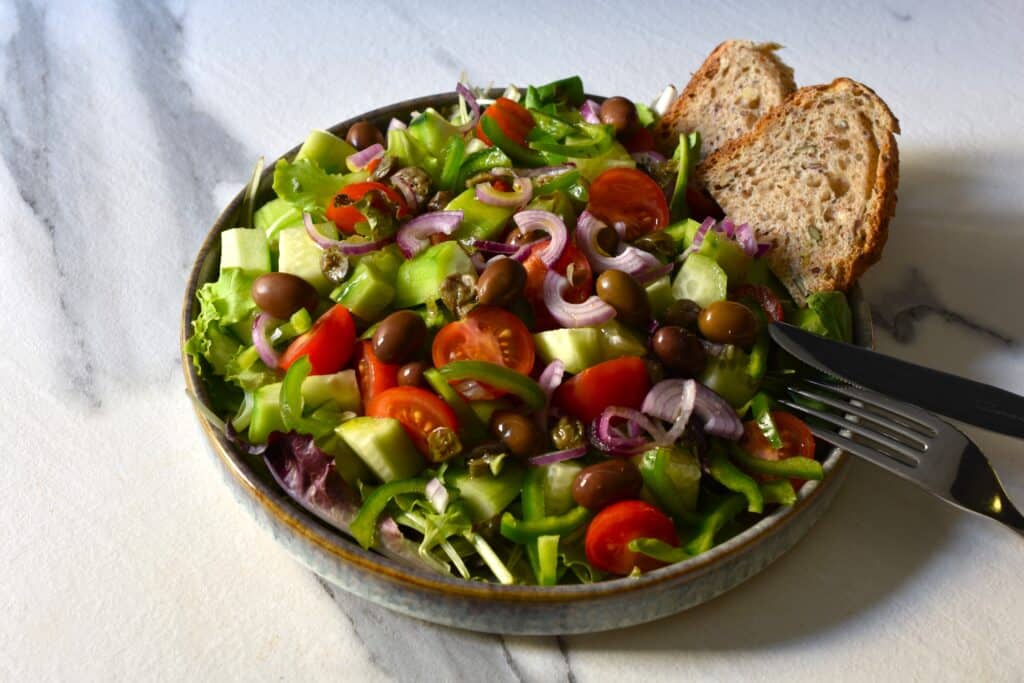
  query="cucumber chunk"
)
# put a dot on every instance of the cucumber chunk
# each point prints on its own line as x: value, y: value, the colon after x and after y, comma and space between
x: 727, y: 253
x: 266, y: 413
x: 701, y: 280
x: 420, y: 278
x: 432, y: 130
x: 246, y: 250
x: 581, y: 347
x: 382, y: 444
x: 487, y: 497
x: 300, y: 255
x: 341, y: 389
x: 367, y: 293
x: 273, y: 217
x: 558, y: 480
x: 327, y: 150
x: 659, y: 295
x: 479, y: 220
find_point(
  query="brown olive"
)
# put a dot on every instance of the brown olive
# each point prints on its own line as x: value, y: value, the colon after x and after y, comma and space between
x: 518, y: 238
x: 362, y: 134
x: 608, y: 240
x: 282, y: 294
x: 501, y: 282
x: 620, y: 113
x: 411, y: 374
x: 728, y: 322
x: 399, y: 336
x: 683, y: 313
x: 606, y: 482
x: 623, y: 293
x: 518, y: 432
x: 679, y: 350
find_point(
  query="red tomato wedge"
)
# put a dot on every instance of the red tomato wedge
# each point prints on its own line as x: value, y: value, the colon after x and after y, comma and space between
x: 346, y: 216
x: 419, y: 411
x: 609, y: 534
x: 620, y: 382
x: 329, y: 343
x: 764, y: 296
x: 631, y: 197
x: 797, y: 441
x: 515, y: 121
x: 374, y: 374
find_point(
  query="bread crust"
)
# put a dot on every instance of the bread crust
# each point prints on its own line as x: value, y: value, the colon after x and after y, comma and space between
x: 668, y: 128
x: 883, y: 205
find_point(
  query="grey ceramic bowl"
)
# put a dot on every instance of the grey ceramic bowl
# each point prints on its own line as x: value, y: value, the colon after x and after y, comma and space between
x: 483, y: 606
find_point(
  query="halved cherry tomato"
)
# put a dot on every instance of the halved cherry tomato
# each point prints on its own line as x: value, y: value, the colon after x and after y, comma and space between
x: 515, y: 121
x: 797, y: 441
x: 582, y: 284
x: 609, y: 534
x: 631, y: 197
x: 764, y: 296
x: 346, y: 216
x: 374, y: 374
x: 419, y: 411
x: 328, y: 343
x: 620, y: 382
x: 488, y: 333
x: 640, y: 141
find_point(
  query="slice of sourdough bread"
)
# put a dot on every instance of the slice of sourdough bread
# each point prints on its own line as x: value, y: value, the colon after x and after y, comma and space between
x: 816, y: 178
x: 735, y: 86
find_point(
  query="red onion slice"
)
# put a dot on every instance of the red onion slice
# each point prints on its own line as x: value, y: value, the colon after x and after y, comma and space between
x: 412, y: 237
x: 343, y: 247
x: 478, y: 261
x: 665, y: 401
x: 629, y: 259
x: 522, y: 192
x: 744, y: 236
x: 558, y: 456
x: 492, y: 247
x: 593, y: 311
x: 591, y: 111
x: 266, y: 352
x: 634, y: 418
x: 550, y: 377
x: 359, y: 160
x: 535, y: 219
x: 685, y: 410
x: 437, y: 494
x: 474, y: 107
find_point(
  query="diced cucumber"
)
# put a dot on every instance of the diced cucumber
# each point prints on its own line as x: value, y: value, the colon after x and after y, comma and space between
x: 420, y: 278
x: 700, y: 280
x: 349, y: 466
x: 246, y: 250
x: 617, y: 341
x: 487, y: 497
x: 558, y: 481
x: 266, y: 413
x: 382, y: 444
x: 367, y: 293
x: 341, y: 389
x: 432, y: 130
x: 726, y: 253
x: 659, y: 295
x: 300, y: 255
x: 578, y: 347
x: 683, y: 231
x: 327, y: 150
x: 273, y: 217
x: 479, y: 220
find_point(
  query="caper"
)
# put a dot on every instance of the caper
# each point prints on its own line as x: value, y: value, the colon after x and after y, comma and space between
x: 501, y: 282
x: 518, y: 432
x: 622, y: 292
x: 399, y: 336
x: 363, y: 134
x: 658, y: 243
x: 568, y: 433
x: 728, y: 322
x: 620, y: 113
x: 679, y: 350
x: 282, y: 294
x: 682, y: 313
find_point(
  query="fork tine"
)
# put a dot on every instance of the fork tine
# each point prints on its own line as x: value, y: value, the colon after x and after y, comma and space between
x: 887, y: 423
x: 909, y: 455
x: 865, y: 452
x: 921, y: 418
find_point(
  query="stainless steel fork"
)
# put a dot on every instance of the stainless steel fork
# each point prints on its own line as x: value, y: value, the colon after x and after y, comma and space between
x: 909, y: 442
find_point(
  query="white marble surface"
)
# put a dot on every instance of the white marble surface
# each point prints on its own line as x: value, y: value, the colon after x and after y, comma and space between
x: 124, y: 126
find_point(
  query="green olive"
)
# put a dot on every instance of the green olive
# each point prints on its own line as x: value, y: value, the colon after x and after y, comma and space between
x: 622, y: 292
x: 518, y: 432
x: 679, y: 350
x: 398, y: 337
x: 362, y: 134
x: 728, y: 322
x: 658, y: 243
x: 501, y: 282
x: 620, y: 113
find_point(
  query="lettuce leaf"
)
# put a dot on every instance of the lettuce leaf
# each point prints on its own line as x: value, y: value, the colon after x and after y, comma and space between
x: 307, y: 187
x: 827, y: 314
x: 225, y: 308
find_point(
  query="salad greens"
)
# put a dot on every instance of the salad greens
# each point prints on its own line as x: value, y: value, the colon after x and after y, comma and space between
x: 510, y: 341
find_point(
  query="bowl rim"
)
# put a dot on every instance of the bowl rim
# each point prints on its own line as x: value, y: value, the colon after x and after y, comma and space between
x: 338, y: 547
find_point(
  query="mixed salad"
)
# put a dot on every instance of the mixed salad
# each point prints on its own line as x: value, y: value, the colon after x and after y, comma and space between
x: 510, y: 341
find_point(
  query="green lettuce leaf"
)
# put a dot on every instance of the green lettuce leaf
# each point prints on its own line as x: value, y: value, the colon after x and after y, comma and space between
x: 827, y: 314
x: 226, y: 310
x: 307, y: 187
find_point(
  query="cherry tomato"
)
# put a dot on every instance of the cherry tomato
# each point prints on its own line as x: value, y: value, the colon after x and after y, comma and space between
x: 628, y: 196
x: 640, y: 141
x: 329, y: 343
x: 488, y: 333
x: 620, y: 382
x: 515, y: 121
x: 419, y: 411
x: 375, y: 375
x: 797, y: 441
x: 582, y: 284
x: 764, y: 296
x: 609, y: 534
x: 346, y: 216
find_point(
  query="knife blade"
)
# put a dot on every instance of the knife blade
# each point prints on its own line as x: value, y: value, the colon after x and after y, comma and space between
x: 962, y: 399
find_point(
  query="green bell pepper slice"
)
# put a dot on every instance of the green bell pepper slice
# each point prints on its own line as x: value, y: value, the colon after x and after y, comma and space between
x: 570, y: 89
x: 550, y: 126
x: 730, y: 476
x: 516, y: 152
x: 524, y: 531
x: 532, y: 499
x: 598, y: 139
x: 560, y: 183
x: 789, y: 468
x: 496, y: 376
x: 713, y: 522
x: 471, y: 429
x: 659, y: 550
x: 654, y: 469
x: 761, y: 406
x: 292, y: 403
x: 478, y: 162
x: 780, y: 491
x: 364, y: 526
x: 454, y: 154
x: 686, y: 156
